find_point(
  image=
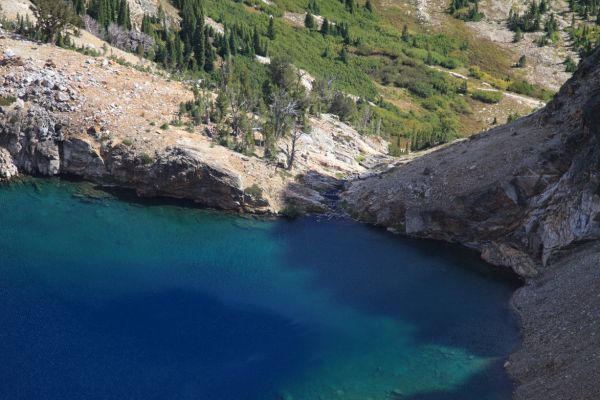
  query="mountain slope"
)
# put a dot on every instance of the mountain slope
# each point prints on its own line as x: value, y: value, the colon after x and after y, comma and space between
x: 527, y: 196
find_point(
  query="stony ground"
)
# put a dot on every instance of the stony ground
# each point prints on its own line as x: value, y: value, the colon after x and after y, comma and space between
x: 560, y: 315
x: 544, y: 67
x: 545, y: 64
x: 102, y: 102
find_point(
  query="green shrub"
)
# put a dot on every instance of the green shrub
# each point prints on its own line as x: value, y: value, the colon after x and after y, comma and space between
x: 487, y: 96
x: 7, y: 100
x: 290, y: 211
x: 127, y: 142
x: 254, y: 191
x: 164, y: 126
x: 146, y: 158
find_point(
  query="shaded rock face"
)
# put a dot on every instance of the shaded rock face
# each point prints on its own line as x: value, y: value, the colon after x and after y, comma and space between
x: 32, y: 141
x: 519, y: 193
x: 180, y: 173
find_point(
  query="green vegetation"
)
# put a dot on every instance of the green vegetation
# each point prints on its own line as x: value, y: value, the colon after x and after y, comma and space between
x: 523, y: 87
x: 530, y: 20
x: 53, y: 17
x: 487, y: 96
x: 467, y: 10
x: 570, y: 65
x: 254, y: 191
x: 146, y: 158
x: 350, y: 49
x: 7, y: 100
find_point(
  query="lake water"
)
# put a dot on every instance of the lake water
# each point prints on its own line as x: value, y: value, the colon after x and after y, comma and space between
x: 110, y: 299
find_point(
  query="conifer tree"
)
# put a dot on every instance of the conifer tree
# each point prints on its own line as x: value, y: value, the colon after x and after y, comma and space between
x: 405, y: 35
x: 271, y: 29
x: 52, y: 17
x: 350, y: 6
x: 325, y: 27
x: 309, y: 21
x: 344, y: 55
x: 198, y: 46
x: 256, y: 42
x: 209, y: 55
x: 123, y: 18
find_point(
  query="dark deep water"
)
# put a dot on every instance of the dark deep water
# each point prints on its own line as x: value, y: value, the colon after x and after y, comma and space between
x: 107, y: 299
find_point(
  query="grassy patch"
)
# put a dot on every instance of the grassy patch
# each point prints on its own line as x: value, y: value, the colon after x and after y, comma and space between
x: 487, y: 96
x: 7, y: 100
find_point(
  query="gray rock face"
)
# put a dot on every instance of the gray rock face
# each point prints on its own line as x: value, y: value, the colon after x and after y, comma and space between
x: 31, y: 137
x: 180, y: 173
x: 519, y: 193
x: 8, y: 169
x: 32, y: 141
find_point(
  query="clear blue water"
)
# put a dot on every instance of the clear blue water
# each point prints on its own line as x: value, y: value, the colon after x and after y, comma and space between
x: 109, y: 299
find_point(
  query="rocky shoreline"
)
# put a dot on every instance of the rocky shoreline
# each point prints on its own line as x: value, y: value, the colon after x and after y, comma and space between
x: 526, y: 195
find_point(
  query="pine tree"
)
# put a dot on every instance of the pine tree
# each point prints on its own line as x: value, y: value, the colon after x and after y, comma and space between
x: 209, y: 55
x: 232, y: 43
x: 309, y: 21
x: 518, y: 35
x: 271, y: 29
x: 325, y: 27
x: 344, y: 55
x: 198, y: 46
x: 80, y: 7
x: 123, y: 18
x: 256, y: 42
x: 405, y: 35
x: 350, y: 6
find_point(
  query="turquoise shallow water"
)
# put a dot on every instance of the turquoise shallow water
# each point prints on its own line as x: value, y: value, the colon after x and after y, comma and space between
x: 110, y: 299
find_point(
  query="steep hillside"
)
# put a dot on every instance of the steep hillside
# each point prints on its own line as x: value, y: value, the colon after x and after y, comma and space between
x: 410, y: 86
x: 525, y: 195
x: 66, y: 113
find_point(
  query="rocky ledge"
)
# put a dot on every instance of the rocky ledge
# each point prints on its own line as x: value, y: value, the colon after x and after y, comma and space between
x: 65, y: 113
x: 527, y: 196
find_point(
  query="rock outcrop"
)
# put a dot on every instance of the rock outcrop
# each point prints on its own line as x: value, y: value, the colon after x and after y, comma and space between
x: 31, y: 140
x: 527, y: 195
x: 519, y: 193
x: 8, y: 169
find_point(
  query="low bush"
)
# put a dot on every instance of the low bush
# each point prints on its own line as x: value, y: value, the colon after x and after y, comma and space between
x: 487, y: 96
